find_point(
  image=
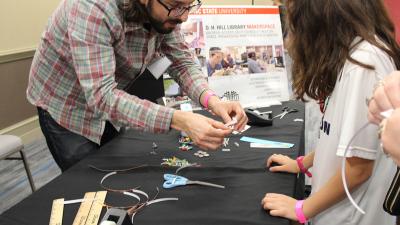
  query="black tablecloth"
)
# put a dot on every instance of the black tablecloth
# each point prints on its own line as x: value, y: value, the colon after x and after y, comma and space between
x: 242, y: 171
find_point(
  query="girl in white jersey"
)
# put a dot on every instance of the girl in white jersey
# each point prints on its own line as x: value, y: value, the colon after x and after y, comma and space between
x: 340, y: 49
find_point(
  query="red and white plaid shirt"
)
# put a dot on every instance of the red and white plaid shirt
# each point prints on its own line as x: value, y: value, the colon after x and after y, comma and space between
x: 88, y: 55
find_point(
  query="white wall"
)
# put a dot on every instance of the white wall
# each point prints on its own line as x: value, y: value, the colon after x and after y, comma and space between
x: 22, y: 22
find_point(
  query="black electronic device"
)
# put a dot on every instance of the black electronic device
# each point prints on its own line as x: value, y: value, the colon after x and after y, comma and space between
x: 117, y: 216
x: 257, y: 118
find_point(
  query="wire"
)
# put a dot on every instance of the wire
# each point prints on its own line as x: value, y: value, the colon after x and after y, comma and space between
x: 116, y: 170
x: 344, y: 169
x: 385, y: 114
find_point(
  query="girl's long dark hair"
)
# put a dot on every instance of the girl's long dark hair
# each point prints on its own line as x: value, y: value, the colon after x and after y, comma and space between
x: 320, y: 36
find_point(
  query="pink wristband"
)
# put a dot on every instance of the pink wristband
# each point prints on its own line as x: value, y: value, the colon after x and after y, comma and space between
x: 299, y: 212
x: 207, y: 97
x: 299, y: 161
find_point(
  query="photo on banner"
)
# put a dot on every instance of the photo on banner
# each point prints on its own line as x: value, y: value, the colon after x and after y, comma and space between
x: 241, y: 53
x: 240, y: 50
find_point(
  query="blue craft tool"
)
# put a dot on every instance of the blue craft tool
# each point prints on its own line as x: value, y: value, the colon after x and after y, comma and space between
x: 172, y: 181
x: 271, y: 143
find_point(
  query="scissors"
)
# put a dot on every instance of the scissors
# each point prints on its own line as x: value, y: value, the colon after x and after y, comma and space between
x: 172, y: 180
x: 286, y: 110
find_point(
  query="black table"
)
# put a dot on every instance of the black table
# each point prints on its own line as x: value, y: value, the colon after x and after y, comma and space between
x: 242, y: 171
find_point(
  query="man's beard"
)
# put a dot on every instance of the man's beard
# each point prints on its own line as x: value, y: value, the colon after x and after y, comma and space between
x: 159, y: 25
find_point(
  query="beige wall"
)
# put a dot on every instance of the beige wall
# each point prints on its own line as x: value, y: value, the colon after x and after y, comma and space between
x: 22, y: 22
x: 13, y: 80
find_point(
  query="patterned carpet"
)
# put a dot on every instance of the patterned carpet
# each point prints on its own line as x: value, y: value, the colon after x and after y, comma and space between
x: 14, y: 185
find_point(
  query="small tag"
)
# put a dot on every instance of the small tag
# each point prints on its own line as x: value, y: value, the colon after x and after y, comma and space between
x: 186, y: 107
x: 158, y: 67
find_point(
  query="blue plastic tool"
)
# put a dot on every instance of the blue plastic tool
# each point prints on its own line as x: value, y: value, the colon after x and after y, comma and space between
x: 172, y: 181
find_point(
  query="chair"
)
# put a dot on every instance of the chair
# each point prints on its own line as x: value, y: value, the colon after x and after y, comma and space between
x: 10, y: 144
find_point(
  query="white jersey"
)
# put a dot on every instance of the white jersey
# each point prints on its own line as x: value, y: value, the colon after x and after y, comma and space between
x: 346, y: 113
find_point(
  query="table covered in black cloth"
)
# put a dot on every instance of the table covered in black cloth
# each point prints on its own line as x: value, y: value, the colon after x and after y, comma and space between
x: 242, y: 171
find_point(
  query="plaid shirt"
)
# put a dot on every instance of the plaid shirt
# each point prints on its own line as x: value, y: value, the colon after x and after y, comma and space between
x: 88, y: 55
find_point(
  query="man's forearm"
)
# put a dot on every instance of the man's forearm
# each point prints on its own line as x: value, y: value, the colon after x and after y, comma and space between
x: 212, y: 99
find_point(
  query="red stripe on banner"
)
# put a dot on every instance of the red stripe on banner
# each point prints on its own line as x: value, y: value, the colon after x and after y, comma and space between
x: 235, y: 11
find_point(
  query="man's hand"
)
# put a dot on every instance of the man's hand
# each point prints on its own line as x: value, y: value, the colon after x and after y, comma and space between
x: 227, y: 110
x: 205, y: 132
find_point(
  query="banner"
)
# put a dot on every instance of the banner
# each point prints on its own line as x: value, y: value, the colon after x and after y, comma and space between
x: 240, y: 50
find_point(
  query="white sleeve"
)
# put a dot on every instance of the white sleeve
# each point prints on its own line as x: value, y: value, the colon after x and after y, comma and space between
x: 357, y: 85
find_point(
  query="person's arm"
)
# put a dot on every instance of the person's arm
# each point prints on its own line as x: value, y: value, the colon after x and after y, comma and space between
x: 286, y: 164
x: 94, y: 62
x: 358, y: 171
x: 254, y: 67
x: 184, y: 70
x: 93, y: 29
x: 205, y: 132
x: 308, y: 160
x: 190, y: 77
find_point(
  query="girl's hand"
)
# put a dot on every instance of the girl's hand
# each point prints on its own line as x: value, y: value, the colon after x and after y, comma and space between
x: 286, y: 164
x: 280, y: 205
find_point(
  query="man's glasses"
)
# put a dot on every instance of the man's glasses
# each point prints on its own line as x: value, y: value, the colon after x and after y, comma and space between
x: 179, y: 11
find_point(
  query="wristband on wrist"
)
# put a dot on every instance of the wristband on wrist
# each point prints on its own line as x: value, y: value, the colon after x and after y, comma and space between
x: 299, y: 212
x: 207, y: 98
x: 299, y: 161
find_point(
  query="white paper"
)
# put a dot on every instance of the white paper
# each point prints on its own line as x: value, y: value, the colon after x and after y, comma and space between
x: 259, y: 145
x: 158, y: 67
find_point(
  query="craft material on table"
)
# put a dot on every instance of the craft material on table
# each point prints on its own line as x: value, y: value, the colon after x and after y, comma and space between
x: 259, y: 145
x: 154, y: 147
x: 232, y: 123
x: 57, y: 210
x: 84, y: 209
x: 88, y: 213
x: 226, y: 142
x: 257, y: 118
x: 235, y: 132
x: 95, y: 210
x: 185, y: 143
x: 201, y: 154
x: 271, y: 144
x: 176, y: 162
x: 172, y: 181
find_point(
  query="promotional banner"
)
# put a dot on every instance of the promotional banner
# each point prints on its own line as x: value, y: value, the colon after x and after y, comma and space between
x: 240, y: 50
